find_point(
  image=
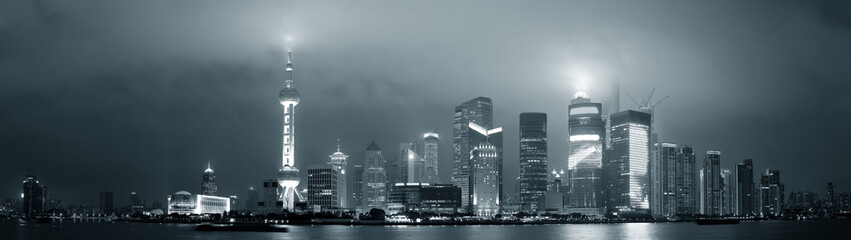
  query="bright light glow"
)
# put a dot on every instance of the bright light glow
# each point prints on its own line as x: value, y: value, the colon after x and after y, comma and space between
x: 478, y: 128
x: 713, y: 152
x: 580, y: 94
x: 584, y: 110
x: 585, y: 137
x: 430, y: 135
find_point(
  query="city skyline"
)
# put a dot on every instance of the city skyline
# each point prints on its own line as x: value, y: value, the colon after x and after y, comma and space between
x: 121, y: 123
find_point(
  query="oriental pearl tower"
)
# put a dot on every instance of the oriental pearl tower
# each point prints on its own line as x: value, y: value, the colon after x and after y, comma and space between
x: 288, y: 175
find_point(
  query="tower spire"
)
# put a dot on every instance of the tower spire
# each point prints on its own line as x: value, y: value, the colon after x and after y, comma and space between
x: 289, y: 62
x: 338, y: 144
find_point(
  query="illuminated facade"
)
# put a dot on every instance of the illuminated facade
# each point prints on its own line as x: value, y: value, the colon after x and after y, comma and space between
x: 745, y: 194
x: 478, y: 134
x: 288, y: 175
x: 627, y: 163
x: 479, y: 111
x: 338, y: 163
x: 485, y: 179
x: 533, y: 160
x: 711, y: 180
x: 374, y: 179
x: 322, y: 186
x: 357, y: 187
x: 408, y: 166
x: 208, y: 182
x: 586, y: 130
x: 677, y: 175
x: 185, y: 203
x: 430, y: 156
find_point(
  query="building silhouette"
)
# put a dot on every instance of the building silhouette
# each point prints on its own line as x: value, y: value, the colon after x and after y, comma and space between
x: 772, y: 193
x: 711, y: 184
x: 745, y: 194
x: 430, y: 156
x: 678, y: 188
x: 627, y: 163
x: 338, y: 163
x: 106, y: 203
x: 208, y: 182
x: 374, y: 179
x: 357, y: 187
x: 424, y: 197
x: 479, y: 111
x: 34, y: 198
x: 533, y: 161
x: 586, y: 130
x: 251, y: 202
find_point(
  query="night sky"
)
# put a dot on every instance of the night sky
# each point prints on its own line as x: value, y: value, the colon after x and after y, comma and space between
x: 138, y: 96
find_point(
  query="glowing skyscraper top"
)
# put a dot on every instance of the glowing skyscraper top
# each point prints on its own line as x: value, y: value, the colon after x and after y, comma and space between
x: 288, y: 175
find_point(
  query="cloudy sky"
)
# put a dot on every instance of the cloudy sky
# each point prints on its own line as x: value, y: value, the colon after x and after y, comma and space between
x: 139, y: 96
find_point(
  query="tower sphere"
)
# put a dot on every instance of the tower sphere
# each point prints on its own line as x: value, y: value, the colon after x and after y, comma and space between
x: 288, y: 176
x: 289, y: 96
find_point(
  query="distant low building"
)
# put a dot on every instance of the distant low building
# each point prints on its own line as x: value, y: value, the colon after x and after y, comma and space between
x: 424, y: 197
x: 185, y: 203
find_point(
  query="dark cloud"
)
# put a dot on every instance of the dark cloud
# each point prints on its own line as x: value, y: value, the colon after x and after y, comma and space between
x: 139, y: 96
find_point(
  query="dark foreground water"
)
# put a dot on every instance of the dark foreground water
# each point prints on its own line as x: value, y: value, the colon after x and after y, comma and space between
x: 820, y: 229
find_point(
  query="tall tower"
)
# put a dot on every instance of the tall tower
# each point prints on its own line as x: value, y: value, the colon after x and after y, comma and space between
x: 586, y: 131
x: 533, y: 160
x: 208, y: 182
x: 712, y: 183
x: 288, y: 175
x: 479, y: 111
x: 338, y: 162
x: 430, y: 144
x: 374, y: 190
x: 626, y: 164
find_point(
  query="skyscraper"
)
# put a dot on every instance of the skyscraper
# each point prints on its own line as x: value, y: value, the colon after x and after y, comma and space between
x: 253, y: 199
x: 322, y: 186
x: 208, y: 182
x: 479, y: 111
x: 831, y: 200
x: 414, y: 167
x: 430, y: 175
x: 106, y: 203
x: 726, y: 192
x: 374, y: 179
x: 408, y: 165
x: 711, y: 181
x: 627, y: 163
x: 586, y: 131
x: 478, y: 134
x: 745, y: 189
x: 485, y: 179
x: 136, y: 203
x: 288, y: 175
x: 533, y: 160
x: 678, y: 190
x: 771, y: 193
x: 338, y: 163
x: 34, y: 197
x: 357, y: 187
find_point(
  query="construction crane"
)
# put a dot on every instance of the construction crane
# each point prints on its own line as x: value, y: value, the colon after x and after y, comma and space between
x: 646, y: 105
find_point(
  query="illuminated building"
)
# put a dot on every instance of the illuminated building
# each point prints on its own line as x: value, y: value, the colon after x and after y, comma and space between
x: 106, y: 203
x: 533, y: 160
x: 745, y: 189
x: 586, y: 131
x: 357, y: 187
x: 479, y: 111
x: 431, y: 158
x: 424, y: 197
x: 726, y: 192
x: 771, y: 192
x: 711, y: 180
x: 185, y: 203
x: 288, y: 175
x: 627, y: 163
x: 322, y: 186
x: 34, y: 197
x: 374, y: 179
x: 399, y: 170
x: 678, y: 189
x: 478, y: 135
x: 414, y: 165
x: 338, y: 162
x: 208, y: 182
x: 831, y: 199
x: 485, y: 175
